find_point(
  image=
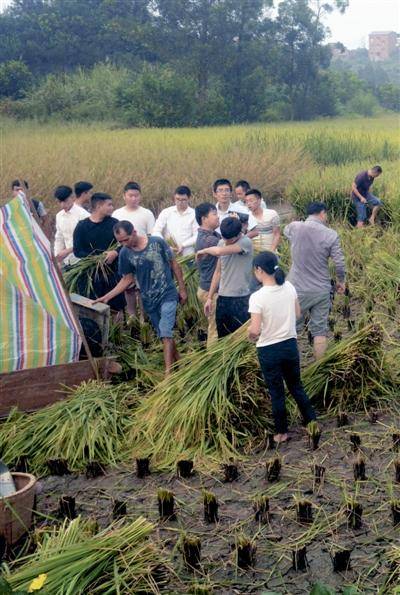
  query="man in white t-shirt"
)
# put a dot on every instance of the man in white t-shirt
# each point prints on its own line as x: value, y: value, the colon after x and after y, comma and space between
x: 178, y: 223
x: 241, y: 188
x: 267, y: 221
x: 83, y: 192
x: 66, y: 221
x: 142, y: 219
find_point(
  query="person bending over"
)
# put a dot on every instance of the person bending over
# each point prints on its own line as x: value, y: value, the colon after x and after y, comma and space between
x: 150, y: 261
x: 362, y: 197
x: 273, y: 310
x: 231, y: 278
x: 143, y: 221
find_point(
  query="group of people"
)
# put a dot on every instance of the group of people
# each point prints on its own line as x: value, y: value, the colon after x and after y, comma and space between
x: 235, y: 285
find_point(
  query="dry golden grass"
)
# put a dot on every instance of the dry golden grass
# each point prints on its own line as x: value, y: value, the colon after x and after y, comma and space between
x: 269, y: 156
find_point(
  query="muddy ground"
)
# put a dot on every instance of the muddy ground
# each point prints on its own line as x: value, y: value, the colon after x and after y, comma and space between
x: 276, y: 539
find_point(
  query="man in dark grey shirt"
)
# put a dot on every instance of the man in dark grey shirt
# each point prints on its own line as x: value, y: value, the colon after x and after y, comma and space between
x: 362, y: 197
x: 312, y: 244
x: 207, y: 219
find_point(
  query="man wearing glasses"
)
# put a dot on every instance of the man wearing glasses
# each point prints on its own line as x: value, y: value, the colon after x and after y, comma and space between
x: 222, y: 191
x: 178, y: 223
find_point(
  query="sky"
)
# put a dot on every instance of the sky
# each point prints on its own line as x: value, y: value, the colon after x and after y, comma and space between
x: 352, y: 27
x: 361, y: 18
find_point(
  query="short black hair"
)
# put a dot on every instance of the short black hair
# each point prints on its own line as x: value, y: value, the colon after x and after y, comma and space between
x: 315, y: 208
x: 377, y: 169
x: 15, y: 183
x: 243, y: 217
x: 81, y: 187
x: 126, y: 226
x: 203, y: 210
x: 243, y: 184
x: 255, y: 192
x: 99, y: 197
x: 221, y: 182
x: 230, y: 227
x: 62, y: 193
x: 183, y: 190
x: 268, y: 262
x: 132, y: 186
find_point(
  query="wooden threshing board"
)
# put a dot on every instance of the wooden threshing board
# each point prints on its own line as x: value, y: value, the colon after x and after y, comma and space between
x: 37, y: 387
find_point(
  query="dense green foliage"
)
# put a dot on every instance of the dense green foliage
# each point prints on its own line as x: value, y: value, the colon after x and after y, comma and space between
x: 177, y: 62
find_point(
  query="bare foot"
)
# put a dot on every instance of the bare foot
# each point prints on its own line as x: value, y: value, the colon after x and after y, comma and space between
x: 279, y: 438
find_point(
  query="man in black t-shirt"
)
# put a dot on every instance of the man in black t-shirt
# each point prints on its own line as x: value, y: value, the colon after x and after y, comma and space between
x: 362, y: 196
x: 94, y: 235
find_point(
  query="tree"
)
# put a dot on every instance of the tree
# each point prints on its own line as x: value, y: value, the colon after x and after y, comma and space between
x: 158, y: 97
x: 224, y: 39
x: 236, y: 59
x: 301, y: 55
x: 15, y: 79
x: 54, y: 35
x: 389, y: 96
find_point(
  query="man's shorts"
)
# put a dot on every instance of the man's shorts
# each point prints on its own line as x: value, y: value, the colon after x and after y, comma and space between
x: 163, y: 319
x: 317, y: 306
x: 361, y: 207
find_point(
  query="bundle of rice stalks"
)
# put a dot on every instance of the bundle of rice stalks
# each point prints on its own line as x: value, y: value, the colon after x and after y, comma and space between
x: 393, y: 577
x: 213, y: 404
x: 145, y: 369
x: 373, y: 279
x: 79, y: 278
x: 216, y: 403
x: 119, y: 559
x: 91, y: 425
x: 353, y: 374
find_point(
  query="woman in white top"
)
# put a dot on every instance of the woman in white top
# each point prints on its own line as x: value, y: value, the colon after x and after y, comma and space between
x: 273, y: 310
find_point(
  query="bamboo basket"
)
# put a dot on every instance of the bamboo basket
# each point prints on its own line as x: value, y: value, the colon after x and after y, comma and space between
x: 16, y: 511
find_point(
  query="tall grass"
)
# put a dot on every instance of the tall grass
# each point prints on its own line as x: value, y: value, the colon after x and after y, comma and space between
x: 271, y: 157
x: 328, y: 146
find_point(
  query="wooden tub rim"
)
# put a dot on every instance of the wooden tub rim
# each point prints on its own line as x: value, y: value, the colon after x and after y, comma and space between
x: 29, y: 485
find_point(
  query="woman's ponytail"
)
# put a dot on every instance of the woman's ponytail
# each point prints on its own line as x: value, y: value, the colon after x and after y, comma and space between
x: 268, y: 262
x: 279, y: 275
